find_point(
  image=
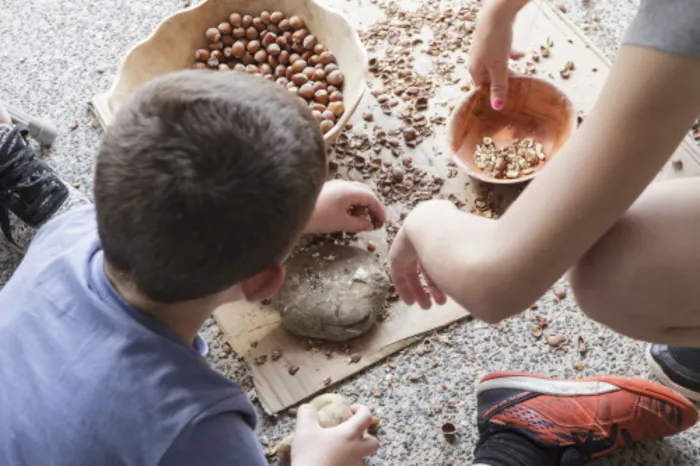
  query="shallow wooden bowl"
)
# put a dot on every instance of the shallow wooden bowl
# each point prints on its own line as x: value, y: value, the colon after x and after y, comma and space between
x: 534, y: 108
x: 171, y: 47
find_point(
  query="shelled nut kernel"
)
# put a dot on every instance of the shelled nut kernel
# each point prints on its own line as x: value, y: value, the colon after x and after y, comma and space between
x: 519, y: 158
x: 282, y: 50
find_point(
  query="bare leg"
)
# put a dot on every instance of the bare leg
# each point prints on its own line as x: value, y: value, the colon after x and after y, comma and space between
x: 4, y: 115
x: 642, y: 279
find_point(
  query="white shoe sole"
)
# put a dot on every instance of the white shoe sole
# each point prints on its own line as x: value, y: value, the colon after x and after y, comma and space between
x: 548, y: 387
x: 664, y: 379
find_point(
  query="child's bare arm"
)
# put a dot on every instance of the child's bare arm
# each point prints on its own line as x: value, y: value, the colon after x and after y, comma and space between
x: 497, y: 268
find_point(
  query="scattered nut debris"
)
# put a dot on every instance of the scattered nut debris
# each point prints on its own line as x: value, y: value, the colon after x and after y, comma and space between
x: 73, y: 126
x: 371, y: 247
x: 101, y: 69
x: 226, y: 348
x: 677, y: 164
x: 537, y: 331
x: 253, y: 344
x: 581, y: 346
x: 373, y: 427
x: 368, y: 117
x: 561, y: 7
x: 292, y: 412
x: 577, y: 366
x: 327, y: 381
x: 449, y: 431
x: 377, y: 393
x: 276, y: 354
x: 260, y: 360
x: 292, y: 369
x: 355, y: 358
x: 434, y: 363
x: 415, y: 377
x: 520, y: 158
x: 560, y: 294
x: 555, y: 340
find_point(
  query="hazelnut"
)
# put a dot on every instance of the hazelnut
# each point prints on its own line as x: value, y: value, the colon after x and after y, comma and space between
x: 330, y: 67
x: 294, y: 57
x: 272, y: 60
x: 307, y: 90
x: 319, y: 49
x: 273, y: 49
x: 327, y: 58
x: 213, y: 34
x: 298, y: 65
x: 274, y: 29
x: 235, y: 19
x: 335, y: 96
x: 321, y: 97
x: 319, y: 66
x: 318, y: 85
x: 309, y: 72
x: 329, y: 115
x: 228, y: 53
x: 297, y: 37
x: 248, y: 59
x: 228, y: 41
x: 251, y: 33
x: 238, y: 49
x: 218, y: 55
x: 284, y: 57
x: 212, y: 62
x: 265, y: 17
x: 265, y: 69
x: 270, y: 38
x: 299, y: 79
x: 289, y: 73
x: 307, y: 55
x: 281, y: 41
x: 319, y: 75
x: 239, y: 33
x: 331, y: 89
x: 276, y: 17
x: 318, y: 115
x: 239, y: 67
x: 201, y: 55
x: 335, y: 78
x: 314, y: 60
x: 279, y: 71
x: 246, y: 21
x: 282, y: 81
x: 224, y: 67
x: 225, y: 28
x: 258, y: 24
x: 326, y: 125
x: 318, y: 107
x: 252, y: 69
x: 285, y: 25
x: 293, y: 88
x: 260, y: 56
x: 298, y: 48
x: 288, y: 36
x: 296, y: 22
x: 216, y: 46
x: 338, y: 108
x: 200, y: 66
x: 309, y: 41
x: 253, y: 46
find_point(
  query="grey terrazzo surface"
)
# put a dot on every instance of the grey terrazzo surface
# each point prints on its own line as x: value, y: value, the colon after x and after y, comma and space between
x: 50, y: 53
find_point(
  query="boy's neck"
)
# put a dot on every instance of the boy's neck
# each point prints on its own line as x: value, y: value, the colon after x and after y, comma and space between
x: 184, y: 318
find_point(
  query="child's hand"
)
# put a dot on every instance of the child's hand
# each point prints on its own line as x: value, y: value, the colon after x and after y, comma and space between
x: 343, y: 445
x: 346, y: 206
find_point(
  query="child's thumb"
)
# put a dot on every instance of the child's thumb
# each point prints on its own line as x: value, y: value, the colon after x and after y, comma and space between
x: 307, y: 417
x: 499, y: 85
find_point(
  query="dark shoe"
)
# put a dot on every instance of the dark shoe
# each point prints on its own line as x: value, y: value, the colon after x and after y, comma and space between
x: 585, y: 418
x: 28, y: 187
x: 677, y: 367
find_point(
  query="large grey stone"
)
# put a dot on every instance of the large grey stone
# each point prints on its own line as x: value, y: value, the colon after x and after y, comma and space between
x: 332, y: 292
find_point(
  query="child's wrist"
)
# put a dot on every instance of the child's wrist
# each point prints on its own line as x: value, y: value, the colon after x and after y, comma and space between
x: 502, y: 11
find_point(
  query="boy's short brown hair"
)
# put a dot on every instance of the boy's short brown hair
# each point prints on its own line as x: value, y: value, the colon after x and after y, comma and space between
x: 204, y: 179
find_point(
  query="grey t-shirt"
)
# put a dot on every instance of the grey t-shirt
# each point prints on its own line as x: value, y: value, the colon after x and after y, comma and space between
x: 87, y: 379
x: 671, y: 26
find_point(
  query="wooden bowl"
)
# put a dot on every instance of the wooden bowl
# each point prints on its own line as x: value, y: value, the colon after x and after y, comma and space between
x: 171, y: 47
x: 534, y: 108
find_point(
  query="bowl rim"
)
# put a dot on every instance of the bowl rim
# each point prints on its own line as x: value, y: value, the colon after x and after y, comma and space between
x: 480, y: 175
x: 329, y: 137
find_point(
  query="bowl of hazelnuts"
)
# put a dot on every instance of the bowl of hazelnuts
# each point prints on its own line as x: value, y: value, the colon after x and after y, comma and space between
x: 308, y: 48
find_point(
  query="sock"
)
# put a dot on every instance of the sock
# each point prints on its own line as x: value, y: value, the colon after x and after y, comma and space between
x: 512, y: 449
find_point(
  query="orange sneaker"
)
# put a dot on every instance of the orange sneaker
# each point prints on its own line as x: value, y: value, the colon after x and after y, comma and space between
x: 595, y: 416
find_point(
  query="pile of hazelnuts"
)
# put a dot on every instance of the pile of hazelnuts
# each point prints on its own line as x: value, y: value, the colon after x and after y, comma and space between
x: 282, y: 50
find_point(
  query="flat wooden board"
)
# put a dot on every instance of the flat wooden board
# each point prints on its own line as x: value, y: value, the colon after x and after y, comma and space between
x: 254, y: 330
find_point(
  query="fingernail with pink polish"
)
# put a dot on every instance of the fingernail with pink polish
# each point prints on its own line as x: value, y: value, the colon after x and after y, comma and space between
x: 497, y: 103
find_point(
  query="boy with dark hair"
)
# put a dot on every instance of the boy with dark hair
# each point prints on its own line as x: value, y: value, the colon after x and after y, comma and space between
x: 204, y: 182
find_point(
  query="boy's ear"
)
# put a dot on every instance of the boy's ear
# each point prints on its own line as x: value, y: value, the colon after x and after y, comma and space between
x: 263, y: 285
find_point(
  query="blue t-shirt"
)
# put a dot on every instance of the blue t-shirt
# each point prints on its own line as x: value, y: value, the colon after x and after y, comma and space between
x: 87, y: 379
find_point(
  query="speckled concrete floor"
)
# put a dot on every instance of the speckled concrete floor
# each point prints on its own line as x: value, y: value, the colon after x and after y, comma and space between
x: 50, y: 53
